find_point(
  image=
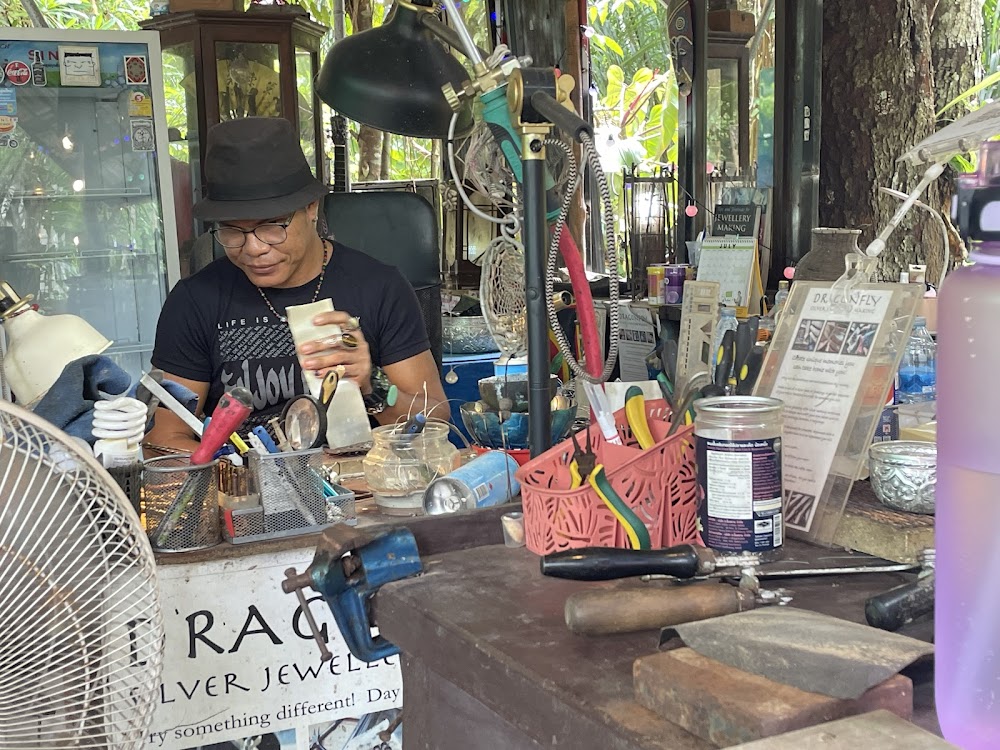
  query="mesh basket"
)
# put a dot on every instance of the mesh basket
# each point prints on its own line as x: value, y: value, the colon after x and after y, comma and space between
x: 290, y: 487
x: 129, y: 478
x: 659, y: 485
x: 181, y: 503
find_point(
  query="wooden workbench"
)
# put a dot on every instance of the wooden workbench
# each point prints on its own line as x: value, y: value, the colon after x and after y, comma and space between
x: 488, y: 661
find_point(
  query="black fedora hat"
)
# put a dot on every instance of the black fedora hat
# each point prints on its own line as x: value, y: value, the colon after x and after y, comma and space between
x: 255, y: 169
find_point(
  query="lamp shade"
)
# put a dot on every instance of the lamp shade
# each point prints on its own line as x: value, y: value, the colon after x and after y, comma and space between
x: 391, y: 77
x: 40, y: 346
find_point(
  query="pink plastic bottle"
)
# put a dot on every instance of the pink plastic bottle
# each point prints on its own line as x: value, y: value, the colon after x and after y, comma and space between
x: 967, y: 605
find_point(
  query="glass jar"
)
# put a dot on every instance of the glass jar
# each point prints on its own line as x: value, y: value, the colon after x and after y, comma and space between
x: 738, y: 448
x: 399, y: 467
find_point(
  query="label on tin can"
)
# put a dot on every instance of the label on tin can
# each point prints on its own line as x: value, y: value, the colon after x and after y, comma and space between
x: 739, y: 482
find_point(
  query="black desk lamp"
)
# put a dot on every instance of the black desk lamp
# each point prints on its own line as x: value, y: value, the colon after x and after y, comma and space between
x: 400, y: 79
x: 391, y: 77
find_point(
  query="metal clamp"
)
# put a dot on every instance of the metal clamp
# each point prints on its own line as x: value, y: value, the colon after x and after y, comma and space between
x: 347, y: 569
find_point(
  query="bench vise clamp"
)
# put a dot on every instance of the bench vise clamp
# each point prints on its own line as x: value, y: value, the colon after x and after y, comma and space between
x: 348, y: 568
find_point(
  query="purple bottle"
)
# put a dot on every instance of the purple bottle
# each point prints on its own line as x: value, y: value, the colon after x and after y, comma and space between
x: 967, y: 604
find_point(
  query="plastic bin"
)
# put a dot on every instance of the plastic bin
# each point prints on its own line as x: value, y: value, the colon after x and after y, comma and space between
x: 659, y: 484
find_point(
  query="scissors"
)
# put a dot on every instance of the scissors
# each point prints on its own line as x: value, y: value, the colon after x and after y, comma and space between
x: 584, y: 468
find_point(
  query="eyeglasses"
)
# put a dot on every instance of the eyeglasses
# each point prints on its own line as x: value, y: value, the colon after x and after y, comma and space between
x: 272, y: 233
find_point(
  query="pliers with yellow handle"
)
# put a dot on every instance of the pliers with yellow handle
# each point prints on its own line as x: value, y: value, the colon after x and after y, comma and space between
x: 635, y: 412
x: 584, y: 467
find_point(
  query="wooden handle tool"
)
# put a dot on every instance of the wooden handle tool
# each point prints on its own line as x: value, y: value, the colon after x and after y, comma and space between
x: 611, y: 611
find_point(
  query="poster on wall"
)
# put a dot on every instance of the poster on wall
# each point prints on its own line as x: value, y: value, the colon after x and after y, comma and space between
x: 240, y: 662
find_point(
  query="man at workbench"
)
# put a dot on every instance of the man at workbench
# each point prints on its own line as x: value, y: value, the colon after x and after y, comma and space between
x: 225, y: 326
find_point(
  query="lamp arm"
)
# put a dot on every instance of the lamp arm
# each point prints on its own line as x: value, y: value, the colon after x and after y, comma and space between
x: 566, y: 120
x: 446, y: 34
x: 467, y: 45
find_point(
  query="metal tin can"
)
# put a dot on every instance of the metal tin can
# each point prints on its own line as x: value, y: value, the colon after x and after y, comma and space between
x: 738, y: 447
x: 485, y: 481
x: 673, y: 284
x: 654, y: 281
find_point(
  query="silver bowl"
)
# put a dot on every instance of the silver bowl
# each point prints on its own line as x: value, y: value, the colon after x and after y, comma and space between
x: 904, y: 474
x: 466, y: 334
x: 513, y: 387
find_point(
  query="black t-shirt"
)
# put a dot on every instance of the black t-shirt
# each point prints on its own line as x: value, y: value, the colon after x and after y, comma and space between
x: 216, y: 328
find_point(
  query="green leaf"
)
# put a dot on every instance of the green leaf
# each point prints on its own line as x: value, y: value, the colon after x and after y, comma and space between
x: 614, y: 46
x: 961, y: 164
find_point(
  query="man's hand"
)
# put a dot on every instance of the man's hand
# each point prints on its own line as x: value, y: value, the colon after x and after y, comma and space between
x: 327, y: 354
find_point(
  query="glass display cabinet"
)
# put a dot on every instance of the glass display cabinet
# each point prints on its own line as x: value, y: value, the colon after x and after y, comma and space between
x: 220, y: 65
x: 86, y: 215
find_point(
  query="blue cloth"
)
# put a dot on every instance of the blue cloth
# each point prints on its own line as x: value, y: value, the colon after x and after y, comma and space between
x: 69, y: 403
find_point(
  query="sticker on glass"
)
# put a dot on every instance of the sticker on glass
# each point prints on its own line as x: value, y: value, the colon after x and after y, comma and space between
x: 8, y: 102
x: 7, y: 124
x: 139, y: 104
x: 38, y: 73
x: 136, y: 71
x: 17, y: 72
x: 79, y: 66
x: 142, y: 135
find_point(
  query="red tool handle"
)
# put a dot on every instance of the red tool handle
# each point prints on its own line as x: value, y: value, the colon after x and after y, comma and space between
x: 584, y: 302
x: 232, y: 411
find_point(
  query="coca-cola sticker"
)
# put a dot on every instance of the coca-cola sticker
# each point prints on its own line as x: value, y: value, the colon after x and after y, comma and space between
x: 18, y: 72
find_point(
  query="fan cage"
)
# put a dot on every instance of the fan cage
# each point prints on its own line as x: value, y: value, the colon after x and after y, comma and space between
x: 81, y: 632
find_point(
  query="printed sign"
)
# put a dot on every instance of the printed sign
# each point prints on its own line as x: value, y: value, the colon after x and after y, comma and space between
x: 239, y: 659
x: 7, y: 124
x: 18, y: 72
x: 136, y: 70
x: 8, y: 102
x: 139, y: 105
x: 736, y: 220
x: 636, y: 339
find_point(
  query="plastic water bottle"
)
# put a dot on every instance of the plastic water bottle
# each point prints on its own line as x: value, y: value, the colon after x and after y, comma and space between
x: 967, y: 523
x: 727, y: 322
x: 780, y: 296
x: 917, y: 378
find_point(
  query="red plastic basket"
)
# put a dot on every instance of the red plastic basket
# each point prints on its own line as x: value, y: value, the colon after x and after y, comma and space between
x: 659, y: 484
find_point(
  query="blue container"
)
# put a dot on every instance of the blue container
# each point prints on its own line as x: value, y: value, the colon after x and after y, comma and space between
x: 466, y: 370
x: 485, y: 481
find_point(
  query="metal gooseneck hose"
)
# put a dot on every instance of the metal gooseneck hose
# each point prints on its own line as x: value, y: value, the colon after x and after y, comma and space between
x: 611, y: 250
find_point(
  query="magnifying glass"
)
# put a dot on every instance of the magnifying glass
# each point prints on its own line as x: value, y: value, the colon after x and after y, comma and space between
x: 304, y: 417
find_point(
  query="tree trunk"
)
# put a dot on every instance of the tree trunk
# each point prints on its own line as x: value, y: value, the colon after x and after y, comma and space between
x: 878, y: 99
x: 369, y: 139
x: 956, y: 50
x: 386, y: 156
x: 956, y: 40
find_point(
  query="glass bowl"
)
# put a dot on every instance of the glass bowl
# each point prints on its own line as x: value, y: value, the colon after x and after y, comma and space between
x: 904, y: 474
x: 488, y: 431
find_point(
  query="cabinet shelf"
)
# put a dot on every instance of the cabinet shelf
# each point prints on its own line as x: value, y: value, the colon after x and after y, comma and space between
x: 49, y: 258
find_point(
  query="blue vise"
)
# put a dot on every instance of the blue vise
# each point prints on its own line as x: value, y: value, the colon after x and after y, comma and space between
x: 348, y: 568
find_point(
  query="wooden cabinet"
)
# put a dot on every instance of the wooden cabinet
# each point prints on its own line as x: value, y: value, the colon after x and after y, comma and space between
x: 222, y: 65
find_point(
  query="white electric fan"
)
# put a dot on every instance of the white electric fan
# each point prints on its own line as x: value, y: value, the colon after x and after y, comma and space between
x: 81, y: 635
